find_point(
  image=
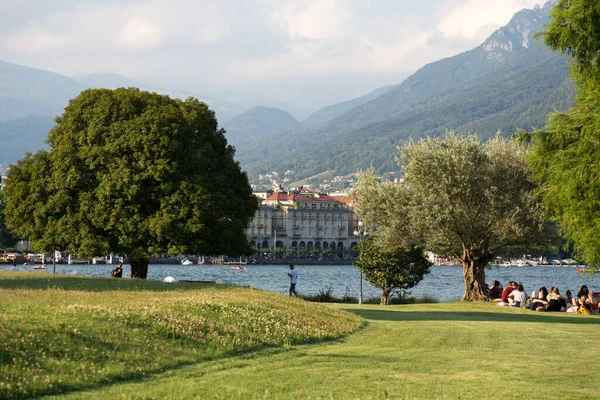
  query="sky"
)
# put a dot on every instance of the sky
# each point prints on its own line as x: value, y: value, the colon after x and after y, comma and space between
x: 304, y: 53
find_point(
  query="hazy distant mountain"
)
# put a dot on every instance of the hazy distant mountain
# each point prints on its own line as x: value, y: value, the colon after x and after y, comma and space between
x: 30, y: 98
x: 509, y: 82
x: 259, y: 123
x: 25, y: 91
x: 224, y: 110
x: 330, y: 112
x: 22, y: 135
x: 109, y: 81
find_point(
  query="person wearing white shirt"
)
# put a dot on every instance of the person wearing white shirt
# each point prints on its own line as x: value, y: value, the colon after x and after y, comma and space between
x: 293, y: 274
x: 517, y: 296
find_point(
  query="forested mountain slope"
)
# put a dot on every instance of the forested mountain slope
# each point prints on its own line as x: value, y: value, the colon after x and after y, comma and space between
x: 258, y: 123
x: 511, y: 81
x: 22, y: 135
x: 27, y: 91
x: 330, y: 112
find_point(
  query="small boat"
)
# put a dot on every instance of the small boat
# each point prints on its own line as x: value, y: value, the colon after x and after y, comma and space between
x: 185, y: 261
x: 43, y: 266
x: 582, y: 270
x: 239, y: 268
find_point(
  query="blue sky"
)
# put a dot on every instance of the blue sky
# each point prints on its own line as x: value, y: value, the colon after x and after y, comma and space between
x: 309, y: 52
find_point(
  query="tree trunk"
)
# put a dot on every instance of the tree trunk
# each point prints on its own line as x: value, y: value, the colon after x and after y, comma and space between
x: 139, y: 267
x: 474, y: 276
x: 385, y: 298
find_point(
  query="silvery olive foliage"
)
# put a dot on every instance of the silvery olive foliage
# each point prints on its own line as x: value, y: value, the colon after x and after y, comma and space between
x: 459, y: 197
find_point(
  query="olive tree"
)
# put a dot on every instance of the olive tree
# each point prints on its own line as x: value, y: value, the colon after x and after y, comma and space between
x: 134, y: 173
x: 461, y: 197
x: 392, y: 270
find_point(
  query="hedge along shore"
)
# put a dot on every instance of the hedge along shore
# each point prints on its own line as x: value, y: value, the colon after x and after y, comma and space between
x: 60, y: 333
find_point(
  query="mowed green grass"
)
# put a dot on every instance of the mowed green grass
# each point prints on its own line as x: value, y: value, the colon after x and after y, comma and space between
x: 61, y: 334
x: 423, y: 351
x: 420, y: 351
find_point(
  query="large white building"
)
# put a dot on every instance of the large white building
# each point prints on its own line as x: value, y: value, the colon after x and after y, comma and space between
x: 303, y: 220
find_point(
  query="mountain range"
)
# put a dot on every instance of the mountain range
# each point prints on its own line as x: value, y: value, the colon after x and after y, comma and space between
x: 258, y: 123
x: 510, y: 81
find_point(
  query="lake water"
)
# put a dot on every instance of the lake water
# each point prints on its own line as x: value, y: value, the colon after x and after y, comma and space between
x: 442, y: 283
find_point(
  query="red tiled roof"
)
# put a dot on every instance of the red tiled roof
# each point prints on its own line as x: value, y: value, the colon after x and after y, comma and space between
x: 299, y: 197
x: 345, y: 199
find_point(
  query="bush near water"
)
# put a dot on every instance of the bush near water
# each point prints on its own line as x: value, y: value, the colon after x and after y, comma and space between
x: 60, y: 334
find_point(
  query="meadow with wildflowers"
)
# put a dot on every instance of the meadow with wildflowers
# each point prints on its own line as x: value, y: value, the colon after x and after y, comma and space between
x: 61, y: 334
x: 457, y: 350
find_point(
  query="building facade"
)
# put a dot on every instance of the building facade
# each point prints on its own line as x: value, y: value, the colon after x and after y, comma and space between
x: 303, y: 221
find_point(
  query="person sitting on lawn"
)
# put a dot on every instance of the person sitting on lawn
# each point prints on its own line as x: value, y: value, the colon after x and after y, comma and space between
x: 506, y: 292
x: 584, y: 307
x: 555, y: 301
x: 517, y: 296
x: 569, y: 299
x: 118, y: 272
x: 495, y: 293
x: 583, y: 291
x: 592, y: 302
x: 539, y: 302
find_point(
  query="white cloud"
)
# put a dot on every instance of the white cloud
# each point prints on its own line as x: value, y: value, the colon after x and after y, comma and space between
x: 34, y: 40
x: 239, y: 42
x: 316, y: 19
x: 477, y: 19
x: 140, y: 34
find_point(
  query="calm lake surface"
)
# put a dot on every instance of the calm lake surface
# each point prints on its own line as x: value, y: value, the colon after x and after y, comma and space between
x: 442, y: 283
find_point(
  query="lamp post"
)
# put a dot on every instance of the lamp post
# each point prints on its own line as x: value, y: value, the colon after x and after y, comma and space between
x: 360, y: 231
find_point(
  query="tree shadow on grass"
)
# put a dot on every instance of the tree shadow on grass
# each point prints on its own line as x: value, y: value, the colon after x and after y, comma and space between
x: 475, y: 316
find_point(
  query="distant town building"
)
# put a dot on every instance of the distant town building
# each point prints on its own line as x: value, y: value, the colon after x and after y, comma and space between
x: 303, y: 220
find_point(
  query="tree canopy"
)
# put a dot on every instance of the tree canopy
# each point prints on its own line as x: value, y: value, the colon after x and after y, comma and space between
x: 461, y: 197
x: 391, y: 270
x: 574, y: 29
x: 566, y: 154
x: 7, y: 239
x: 134, y: 173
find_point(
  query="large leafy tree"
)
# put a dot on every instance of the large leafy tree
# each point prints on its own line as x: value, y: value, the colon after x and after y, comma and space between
x: 462, y: 197
x: 566, y: 155
x: 7, y: 239
x: 391, y: 269
x: 134, y: 173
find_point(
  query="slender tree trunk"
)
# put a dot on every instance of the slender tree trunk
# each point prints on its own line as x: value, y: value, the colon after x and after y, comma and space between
x: 385, y: 297
x: 474, y: 276
x: 139, y: 267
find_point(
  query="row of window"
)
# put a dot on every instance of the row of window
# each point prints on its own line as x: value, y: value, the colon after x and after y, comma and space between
x: 300, y: 231
x: 300, y: 245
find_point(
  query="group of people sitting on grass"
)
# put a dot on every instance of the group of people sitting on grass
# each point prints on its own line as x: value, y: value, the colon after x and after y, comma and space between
x: 586, y: 302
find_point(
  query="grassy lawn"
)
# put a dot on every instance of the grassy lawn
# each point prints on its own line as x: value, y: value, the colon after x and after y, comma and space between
x: 60, y: 334
x: 446, y: 350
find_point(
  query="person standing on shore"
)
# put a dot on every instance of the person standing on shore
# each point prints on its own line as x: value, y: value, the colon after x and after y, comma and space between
x: 293, y: 274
